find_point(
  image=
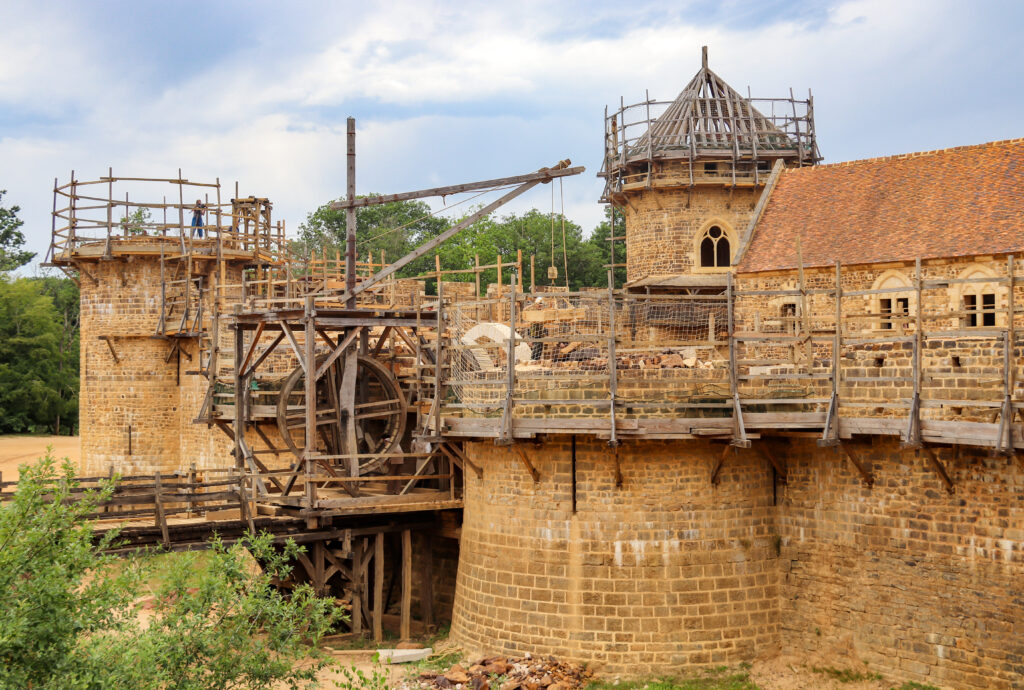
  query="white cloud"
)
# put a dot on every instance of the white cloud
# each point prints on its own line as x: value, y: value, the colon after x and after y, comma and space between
x: 446, y: 95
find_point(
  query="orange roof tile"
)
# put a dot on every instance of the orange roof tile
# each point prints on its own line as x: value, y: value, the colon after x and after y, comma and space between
x: 962, y: 201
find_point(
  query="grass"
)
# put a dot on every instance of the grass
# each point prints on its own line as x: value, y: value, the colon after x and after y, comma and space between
x: 721, y: 678
x: 847, y: 675
x: 435, y: 663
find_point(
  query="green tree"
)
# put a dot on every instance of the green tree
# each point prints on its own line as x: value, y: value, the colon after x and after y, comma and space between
x: 65, y: 295
x: 30, y: 335
x: 12, y: 255
x: 599, y: 240
x: 535, y: 233
x: 395, y: 228
x: 69, y: 615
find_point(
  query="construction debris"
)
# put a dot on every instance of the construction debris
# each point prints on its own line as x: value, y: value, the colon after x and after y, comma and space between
x: 502, y: 673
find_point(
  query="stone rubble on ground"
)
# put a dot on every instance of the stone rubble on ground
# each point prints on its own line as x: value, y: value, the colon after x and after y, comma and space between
x: 502, y: 673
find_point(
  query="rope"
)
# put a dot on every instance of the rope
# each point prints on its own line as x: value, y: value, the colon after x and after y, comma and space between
x: 440, y: 210
x: 565, y: 255
x: 551, y: 260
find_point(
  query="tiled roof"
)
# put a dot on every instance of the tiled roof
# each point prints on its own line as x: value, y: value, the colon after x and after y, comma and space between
x: 962, y: 201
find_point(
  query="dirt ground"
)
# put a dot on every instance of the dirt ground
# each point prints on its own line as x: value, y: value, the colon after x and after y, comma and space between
x: 16, y: 450
x: 779, y: 673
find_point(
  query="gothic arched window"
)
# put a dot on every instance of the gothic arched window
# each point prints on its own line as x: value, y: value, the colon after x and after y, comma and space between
x: 714, y: 249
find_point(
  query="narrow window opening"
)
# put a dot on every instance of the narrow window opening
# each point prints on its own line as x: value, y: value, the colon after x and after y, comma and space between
x: 971, y: 309
x: 988, y: 305
x: 715, y: 251
x: 711, y: 168
x: 789, y: 317
x: 722, y: 257
x: 885, y: 306
x: 879, y: 362
x: 707, y: 252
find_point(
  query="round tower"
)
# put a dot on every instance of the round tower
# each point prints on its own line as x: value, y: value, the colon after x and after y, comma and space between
x: 153, y: 276
x: 688, y: 173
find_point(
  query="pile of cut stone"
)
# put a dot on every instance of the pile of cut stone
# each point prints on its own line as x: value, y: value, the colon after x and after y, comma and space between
x: 501, y: 673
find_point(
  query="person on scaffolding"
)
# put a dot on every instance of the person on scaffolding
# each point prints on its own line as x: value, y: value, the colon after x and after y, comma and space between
x: 197, y: 218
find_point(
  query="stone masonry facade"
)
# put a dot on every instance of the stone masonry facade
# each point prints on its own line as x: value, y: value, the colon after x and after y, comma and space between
x: 670, y: 571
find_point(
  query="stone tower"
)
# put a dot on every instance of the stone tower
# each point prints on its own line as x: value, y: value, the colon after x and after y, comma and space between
x: 688, y: 174
x: 151, y: 289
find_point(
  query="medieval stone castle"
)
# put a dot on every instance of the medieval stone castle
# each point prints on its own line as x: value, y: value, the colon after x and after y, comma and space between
x: 795, y: 430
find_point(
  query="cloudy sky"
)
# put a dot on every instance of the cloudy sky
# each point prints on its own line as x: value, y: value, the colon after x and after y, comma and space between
x: 449, y: 92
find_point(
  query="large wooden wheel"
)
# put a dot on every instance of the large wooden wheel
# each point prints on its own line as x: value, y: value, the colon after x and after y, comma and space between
x: 380, y: 413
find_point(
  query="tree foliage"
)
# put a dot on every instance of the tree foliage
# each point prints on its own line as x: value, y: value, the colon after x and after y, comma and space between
x: 395, y: 229
x: 12, y: 255
x: 70, y: 615
x: 39, y: 355
x: 399, y: 227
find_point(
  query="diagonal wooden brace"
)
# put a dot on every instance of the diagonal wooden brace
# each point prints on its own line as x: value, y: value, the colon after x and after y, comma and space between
x: 864, y: 470
x: 526, y: 463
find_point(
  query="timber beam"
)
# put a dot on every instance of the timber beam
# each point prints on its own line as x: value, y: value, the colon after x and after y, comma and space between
x: 939, y: 468
x: 717, y: 469
x: 526, y: 462
x: 863, y: 469
x: 773, y: 460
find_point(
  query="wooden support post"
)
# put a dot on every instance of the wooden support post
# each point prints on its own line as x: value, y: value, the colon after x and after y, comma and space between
x: 240, y: 387
x: 505, y: 433
x: 526, y: 462
x: 309, y: 358
x: 357, y: 588
x: 865, y: 472
x: 939, y: 468
x: 913, y: 435
x: 439, y: 360
x: 1005, y: 444
x: 426, y: 571
x: 161, y: 517
x: 717, y: 468
x: 739, y: 436
x: 830, y: 435
x: 613, y: 441
x: 378, y: 588
x: 406, y: 610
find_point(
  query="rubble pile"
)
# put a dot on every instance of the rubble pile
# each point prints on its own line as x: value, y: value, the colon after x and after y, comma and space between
x: 502, y: 673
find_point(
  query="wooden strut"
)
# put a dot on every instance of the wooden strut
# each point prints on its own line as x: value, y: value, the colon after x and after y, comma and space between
x: 110, y: 344
x: 460, y: 459
x: 543, y: 175
x: 780, y: 467
x: 937, y: 465
x: 716, y: 470
x: 864, y: 471
x: 526, y: 462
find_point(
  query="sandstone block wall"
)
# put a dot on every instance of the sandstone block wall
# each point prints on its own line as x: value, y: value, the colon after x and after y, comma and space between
x: 670, y: 572
x: 921, y: 584
x: 139, y: 390
x: 666, y: 572
x: 662, y: 225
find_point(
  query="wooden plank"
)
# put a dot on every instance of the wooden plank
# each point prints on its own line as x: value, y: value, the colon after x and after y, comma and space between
x: 542, y: 175
x: 406, y: 607
x: 426, y: 571
x: 378, y: 588
x: 546, y: 174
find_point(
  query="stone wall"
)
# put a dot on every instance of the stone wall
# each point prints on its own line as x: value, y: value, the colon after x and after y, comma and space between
x: 662, y: 225
x: 921, y: 584
x: 671, y: 572
x: 667, y: 571
x: 138, y: 391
